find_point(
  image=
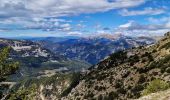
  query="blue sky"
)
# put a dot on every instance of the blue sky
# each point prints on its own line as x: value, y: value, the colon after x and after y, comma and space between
x: 44, y: 18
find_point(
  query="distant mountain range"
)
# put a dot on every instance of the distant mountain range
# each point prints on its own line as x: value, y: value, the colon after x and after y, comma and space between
x: 91, y: 49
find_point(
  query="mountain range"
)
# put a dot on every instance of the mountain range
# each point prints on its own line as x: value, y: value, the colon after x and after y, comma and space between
x: 92, y: 49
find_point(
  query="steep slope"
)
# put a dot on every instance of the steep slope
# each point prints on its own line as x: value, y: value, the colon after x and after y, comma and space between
x: 46, y: 88
x: 93, y: 49
x: 127, y: 74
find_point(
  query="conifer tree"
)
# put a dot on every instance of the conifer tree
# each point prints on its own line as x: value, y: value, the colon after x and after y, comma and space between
x: 7, y: 67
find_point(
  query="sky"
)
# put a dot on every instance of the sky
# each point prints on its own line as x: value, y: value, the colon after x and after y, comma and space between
x: 52, y: 18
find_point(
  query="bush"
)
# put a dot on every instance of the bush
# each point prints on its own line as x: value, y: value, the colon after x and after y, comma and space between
x: 155, y: 86
x: 142, y: 79
x: 100, y: 97
x: 163, y: 69
x: 150, y: 57
x: 143, y: 70
x: 24, y: 94
x: 154, y: 51
x: 126, y: 74
x: 122, y: 90
x: 136, y: 91
x: 133, y: 59
x: 112, y: 96
x: 89, y: 95
x: 118, y: 84
x: 168, y: 70
x: 137, y: 88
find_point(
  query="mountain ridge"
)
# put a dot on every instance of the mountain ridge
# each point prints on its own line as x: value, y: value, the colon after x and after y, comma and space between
x: 125, y: 74
x: 94, y: 49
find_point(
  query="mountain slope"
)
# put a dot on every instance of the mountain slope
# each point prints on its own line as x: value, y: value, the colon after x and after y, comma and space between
x: 46, y: 88
x: 126, y: 74
x: 35, y: 60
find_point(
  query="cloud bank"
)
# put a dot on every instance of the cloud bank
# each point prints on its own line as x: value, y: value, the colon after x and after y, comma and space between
x: 43, y: 14
x: 146, y: 11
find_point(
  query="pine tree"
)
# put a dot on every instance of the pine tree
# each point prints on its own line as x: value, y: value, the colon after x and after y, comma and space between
x: 7, y: 67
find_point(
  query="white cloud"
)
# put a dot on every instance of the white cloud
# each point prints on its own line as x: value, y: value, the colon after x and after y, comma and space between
x: 126, y: 25
x: 132, y: 25
x: 80, y: 26
x: 3, y: 30
x: 43, y: 8
x: 74, y: 7
x: 159, y: 20
x: 32, y: 14
x: 101, y: 32
x: 146, y: 11
x: 134, y: 28
x: 74, y: 33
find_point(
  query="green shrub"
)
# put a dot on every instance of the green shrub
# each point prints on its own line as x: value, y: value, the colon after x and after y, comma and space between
x: 122, y: 90
x: 100, y: 97
x: 126, y: 74
x: 155, y: 86
x: 150, y: 57
x: 89, y: 95
x: 154, y: 51
x: 137, y: 88
x: 168, y: 70
x: 148, y: 54
x: 118, y: 84
x: 24, y: 94
x: 163, y: 69
x: 112, y: 95
x: 133, y: 59
x: 142, y: 79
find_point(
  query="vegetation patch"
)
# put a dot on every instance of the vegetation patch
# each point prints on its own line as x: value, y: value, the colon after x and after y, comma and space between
x: 155, y: 86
